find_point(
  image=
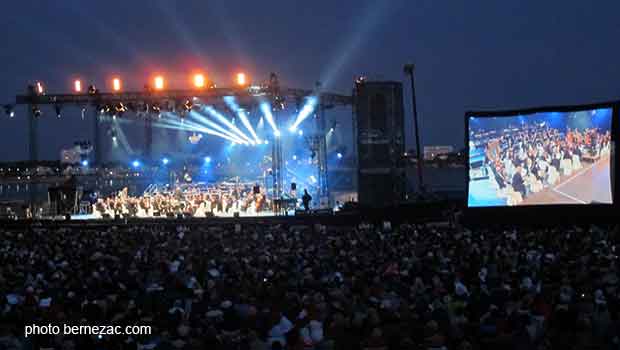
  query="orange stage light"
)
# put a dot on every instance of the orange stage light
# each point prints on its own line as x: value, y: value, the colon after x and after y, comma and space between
x: 199, y: 81
x: 241, y: 80
x: 77, y: 86
x: 116, y: 84
x: 40, y: 88
x: 159, y: 82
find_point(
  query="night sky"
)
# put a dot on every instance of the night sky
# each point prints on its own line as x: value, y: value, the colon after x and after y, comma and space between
x: 469, y: 54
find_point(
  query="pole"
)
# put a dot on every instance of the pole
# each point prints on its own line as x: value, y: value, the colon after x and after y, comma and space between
x: 322, y: 154
x: 33, y: 147
x: 409, y: 68
x: 148, y: 139
x: 97, y: 138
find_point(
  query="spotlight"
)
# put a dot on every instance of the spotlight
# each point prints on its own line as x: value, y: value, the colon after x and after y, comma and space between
x: 207, y: 159
x: 331, y: 130
x: 187, y: 106
x: 120, y: 108
x: 300, y: 132
x: 116, y: 84
x: 156, y: 108
x: 339, y: 155
x: 241, y: 79
x: 135, y: 163
x: 40, y: 89
x: 159, y: 82
x: 36, y: 111
x: 77, y: 86
x: 165, y: 161
x: 266, y: 142
x: 85, y: 163
x: 294, y: 157
x: 8, y: 109
x: 92, y: 90
x: 144, y: 108
x: 195, y: 138
x: 305, y: 112
x: 57, y: 108
x: 277, y: 133
x: 199, y: 81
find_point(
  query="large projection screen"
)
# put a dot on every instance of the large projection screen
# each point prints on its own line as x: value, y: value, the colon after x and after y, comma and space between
x: 540, y: 158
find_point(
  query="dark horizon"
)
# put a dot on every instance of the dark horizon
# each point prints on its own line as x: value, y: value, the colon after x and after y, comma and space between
x: 468, y: 56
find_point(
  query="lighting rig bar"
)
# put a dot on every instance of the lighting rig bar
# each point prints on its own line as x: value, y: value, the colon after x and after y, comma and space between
x: 211, y: 96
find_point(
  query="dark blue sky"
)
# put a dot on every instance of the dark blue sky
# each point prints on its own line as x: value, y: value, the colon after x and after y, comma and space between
x: 473, y: 54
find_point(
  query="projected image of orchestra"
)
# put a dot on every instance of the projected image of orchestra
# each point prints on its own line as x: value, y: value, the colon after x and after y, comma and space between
x: 540, y: 158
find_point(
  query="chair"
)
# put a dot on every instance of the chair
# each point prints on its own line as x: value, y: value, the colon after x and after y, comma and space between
x: 552, y: 176
x: 514, y: 198
x: 576, y: 162
x: 566, y: 167
x: 535, y: 184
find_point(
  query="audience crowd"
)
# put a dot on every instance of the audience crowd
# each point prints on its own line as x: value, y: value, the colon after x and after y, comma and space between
x: 262, y: 286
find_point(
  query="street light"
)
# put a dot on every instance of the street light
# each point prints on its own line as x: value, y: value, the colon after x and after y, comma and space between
x: 409, y: 70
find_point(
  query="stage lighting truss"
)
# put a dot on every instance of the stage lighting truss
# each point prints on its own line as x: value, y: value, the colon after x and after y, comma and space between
x: 152, y: 102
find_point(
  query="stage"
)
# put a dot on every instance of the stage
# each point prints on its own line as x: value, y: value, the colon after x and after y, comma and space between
x: 264, y: 214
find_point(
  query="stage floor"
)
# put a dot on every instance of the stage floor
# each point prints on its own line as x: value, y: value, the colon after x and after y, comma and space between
x: 592, y: 184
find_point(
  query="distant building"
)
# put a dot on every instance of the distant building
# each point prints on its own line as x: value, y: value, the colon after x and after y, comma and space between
x: 431, y: 152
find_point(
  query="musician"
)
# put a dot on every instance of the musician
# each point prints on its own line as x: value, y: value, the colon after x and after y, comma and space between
x: 305, y: 199
x: 518, y: 183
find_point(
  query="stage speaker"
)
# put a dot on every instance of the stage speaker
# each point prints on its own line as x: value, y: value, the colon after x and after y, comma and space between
x: 293, y: 186
x: 380, y: 143
x: 256, y: 189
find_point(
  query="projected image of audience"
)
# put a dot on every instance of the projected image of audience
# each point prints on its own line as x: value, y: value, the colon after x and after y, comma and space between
x: 541, y: 158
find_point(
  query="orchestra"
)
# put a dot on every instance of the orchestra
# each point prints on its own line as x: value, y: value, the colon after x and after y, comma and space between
x: 193, y: 201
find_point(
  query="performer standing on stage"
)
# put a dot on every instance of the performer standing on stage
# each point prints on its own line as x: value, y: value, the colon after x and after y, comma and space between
x: 305, y: 199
